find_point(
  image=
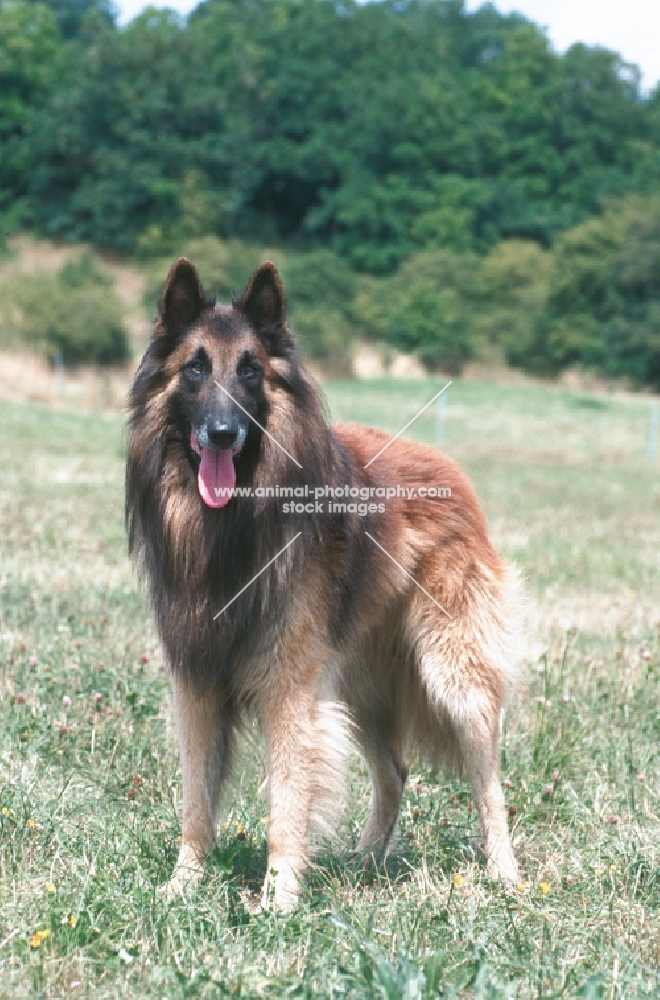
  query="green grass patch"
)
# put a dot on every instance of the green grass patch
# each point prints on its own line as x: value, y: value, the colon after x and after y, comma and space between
x: 89, y: 778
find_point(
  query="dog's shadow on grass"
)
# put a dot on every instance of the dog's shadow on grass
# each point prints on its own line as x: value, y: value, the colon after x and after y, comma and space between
x: 402, y: 864
x: 240, y: 861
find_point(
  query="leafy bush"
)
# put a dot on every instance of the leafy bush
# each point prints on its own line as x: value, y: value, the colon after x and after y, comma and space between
x: 74, y: 315
x: 592, y: 301
x: 513, y: 284
x: 82, y: 271
x: 425, y: 308
x: 603, y: 307
x: 430, y: 322
x: 320, y: 287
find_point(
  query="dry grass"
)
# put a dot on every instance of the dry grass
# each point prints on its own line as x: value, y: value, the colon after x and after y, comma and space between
x: 26, y: 378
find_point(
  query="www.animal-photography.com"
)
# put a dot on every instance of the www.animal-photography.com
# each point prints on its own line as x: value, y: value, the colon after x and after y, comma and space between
x: 330, y: 504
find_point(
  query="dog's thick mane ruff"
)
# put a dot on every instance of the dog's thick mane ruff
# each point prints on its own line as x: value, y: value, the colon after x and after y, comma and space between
x: 195, y: 561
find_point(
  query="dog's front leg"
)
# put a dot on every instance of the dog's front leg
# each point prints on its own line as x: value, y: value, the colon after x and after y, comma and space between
x: 205, y: 740
x: 288, y: 722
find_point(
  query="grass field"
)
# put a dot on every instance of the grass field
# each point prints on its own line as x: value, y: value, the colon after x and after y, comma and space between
x: 89, y: 780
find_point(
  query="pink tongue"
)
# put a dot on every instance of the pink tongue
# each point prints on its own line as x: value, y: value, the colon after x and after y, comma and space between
x: 216, y: 478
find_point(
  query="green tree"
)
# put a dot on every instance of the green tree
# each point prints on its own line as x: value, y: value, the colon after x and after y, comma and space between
x: 425, y: 308
x: 513, y: 285
x: 375, y: 130
x: 78, y: 17
x: 29, y: 47
x: 109, y: 147
x: 603, y: 308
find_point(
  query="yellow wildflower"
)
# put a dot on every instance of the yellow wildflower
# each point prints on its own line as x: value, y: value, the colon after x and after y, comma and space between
x: 39, y: 937
x: 458, y: 881
x: 50, y: 887
x: 521, y: 886
x: 545, y: 887
x: 73, y: 921
x: 31, y: 823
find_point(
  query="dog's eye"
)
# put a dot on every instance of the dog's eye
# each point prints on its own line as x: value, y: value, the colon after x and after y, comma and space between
x: 195, y: 367
x: 194, y: 372
x: 250, y: 370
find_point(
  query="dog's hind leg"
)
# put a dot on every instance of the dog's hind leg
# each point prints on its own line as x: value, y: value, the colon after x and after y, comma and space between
x: 205, y: 737
x: 480, y: 753
x: 465, y: 692
x: 380, y: 740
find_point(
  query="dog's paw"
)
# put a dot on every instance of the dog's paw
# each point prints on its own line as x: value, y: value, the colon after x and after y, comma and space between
x: 503, y: 867
x: 368, y: 862
x: 186, y: 876
x: 182, y: 884
x: 281, y: 888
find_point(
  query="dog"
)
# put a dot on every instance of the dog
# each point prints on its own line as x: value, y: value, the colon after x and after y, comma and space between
x: 377, y: 613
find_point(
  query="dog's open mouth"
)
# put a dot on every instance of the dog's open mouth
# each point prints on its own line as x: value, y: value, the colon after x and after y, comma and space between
x: 216, y: 477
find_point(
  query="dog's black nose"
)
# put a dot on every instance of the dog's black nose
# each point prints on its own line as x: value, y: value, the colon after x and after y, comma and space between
x: 222, y: 435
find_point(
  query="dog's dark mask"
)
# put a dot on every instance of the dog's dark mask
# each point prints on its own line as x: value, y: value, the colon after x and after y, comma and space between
x: 220, y: 406
x: 219, y: 424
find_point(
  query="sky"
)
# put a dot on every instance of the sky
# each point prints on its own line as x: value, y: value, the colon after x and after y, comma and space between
x: 630, y: 27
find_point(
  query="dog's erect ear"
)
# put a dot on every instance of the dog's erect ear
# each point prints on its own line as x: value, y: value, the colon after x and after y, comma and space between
x: 263, y: 300
x: 182, y: 300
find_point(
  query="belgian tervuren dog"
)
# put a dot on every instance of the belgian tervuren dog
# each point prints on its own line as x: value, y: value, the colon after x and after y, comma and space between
x: 344, y: 598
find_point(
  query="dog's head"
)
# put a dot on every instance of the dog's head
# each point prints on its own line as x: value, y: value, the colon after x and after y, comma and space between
x: 221, y: 363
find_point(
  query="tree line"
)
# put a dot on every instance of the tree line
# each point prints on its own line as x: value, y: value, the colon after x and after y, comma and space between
x: 499, y: 195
